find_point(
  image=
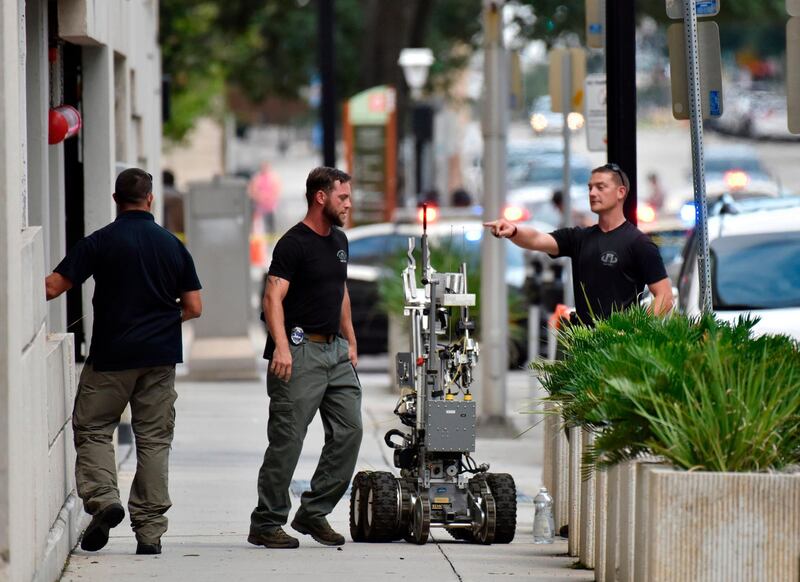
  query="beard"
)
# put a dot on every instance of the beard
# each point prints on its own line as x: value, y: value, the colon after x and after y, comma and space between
x: 329, y: 213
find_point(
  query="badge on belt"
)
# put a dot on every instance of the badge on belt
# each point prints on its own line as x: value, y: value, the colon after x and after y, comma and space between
x: 297, y: 335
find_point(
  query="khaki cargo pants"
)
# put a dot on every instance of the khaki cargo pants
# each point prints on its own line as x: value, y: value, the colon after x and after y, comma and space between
x: 101, y: 399
x: 322, y: 379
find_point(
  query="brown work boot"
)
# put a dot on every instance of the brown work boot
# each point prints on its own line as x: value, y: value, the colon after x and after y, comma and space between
x: 277, y: 538
x: 96, y: 535
x: 320, y: 530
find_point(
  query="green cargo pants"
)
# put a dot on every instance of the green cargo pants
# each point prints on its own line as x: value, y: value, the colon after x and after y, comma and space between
x: 322, y: 379
x: 99, y: 403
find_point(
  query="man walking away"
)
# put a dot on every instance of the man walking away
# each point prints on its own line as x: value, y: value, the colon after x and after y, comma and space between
x: 311, y: 368
x: 145, y: 286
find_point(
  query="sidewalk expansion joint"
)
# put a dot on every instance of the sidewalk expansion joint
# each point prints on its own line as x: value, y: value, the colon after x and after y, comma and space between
x: 449, y: 561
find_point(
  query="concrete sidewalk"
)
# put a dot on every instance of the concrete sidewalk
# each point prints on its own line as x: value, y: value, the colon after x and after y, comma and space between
x: 219, y: 443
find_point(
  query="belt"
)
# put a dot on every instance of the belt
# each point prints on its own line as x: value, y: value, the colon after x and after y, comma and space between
x: 321, y: 338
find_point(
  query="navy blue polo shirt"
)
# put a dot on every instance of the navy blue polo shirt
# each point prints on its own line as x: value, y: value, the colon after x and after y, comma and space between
x: 140, y: 270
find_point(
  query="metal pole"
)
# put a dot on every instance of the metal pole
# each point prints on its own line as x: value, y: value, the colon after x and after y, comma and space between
x: 494, y: 310
x: 566, y: 198
x: 328, y: 80
x: 621, y: 84
x: 566, y: 107
x: 698, y: 166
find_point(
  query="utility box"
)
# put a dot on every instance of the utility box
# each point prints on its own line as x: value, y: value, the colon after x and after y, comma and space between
x: 451, y: 426
x: 218, y: 232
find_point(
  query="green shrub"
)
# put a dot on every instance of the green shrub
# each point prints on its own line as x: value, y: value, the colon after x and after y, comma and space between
x: 701, y: 393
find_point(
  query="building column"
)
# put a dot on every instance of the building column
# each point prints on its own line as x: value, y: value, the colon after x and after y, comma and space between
x: 11, y: 185
x: 99, y: 152
x: 38, y: 103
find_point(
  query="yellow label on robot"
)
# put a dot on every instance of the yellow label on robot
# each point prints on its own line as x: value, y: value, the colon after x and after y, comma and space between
x: 441, y: 500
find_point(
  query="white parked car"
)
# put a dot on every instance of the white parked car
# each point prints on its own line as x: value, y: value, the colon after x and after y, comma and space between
x: 755, y: 266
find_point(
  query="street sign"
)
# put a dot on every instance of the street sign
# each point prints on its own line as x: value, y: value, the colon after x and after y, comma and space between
x: 793, y: 7
x: 710, y: 69
x: 577, y: 57
x: 793, y: 73
x: 596, y: 23
x: 596, y: 121
x: 515, y: 92
x: 704, y: 8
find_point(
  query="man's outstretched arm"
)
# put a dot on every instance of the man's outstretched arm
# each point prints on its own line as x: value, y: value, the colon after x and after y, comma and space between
x: 523, y: 236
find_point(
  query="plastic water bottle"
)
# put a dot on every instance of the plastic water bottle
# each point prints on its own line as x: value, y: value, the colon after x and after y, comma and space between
x: 543, y: 524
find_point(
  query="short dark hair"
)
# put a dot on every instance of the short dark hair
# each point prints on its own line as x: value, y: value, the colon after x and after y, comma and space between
x: 323, y: 178
x: 132, y: 186
x: 618, y: 173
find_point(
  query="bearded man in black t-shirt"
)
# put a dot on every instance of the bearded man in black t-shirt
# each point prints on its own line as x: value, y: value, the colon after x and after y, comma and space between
x: 312, y: 352
x: 612, y: 261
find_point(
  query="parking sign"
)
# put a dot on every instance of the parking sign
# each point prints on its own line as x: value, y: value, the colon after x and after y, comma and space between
x: 596, y: 23
x: 710, y: 69
x: 575, y: 58
x: 703, y: 7
x: 596, y: 120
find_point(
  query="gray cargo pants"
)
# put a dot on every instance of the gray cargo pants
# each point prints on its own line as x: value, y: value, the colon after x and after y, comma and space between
x: 322, y: 379
x: 99, y: 403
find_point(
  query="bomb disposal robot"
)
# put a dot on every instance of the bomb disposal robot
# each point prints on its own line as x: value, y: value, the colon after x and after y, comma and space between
x: 440, y: 485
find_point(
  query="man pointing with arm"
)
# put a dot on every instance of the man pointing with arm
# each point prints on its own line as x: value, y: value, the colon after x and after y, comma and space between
x: 612, y: 261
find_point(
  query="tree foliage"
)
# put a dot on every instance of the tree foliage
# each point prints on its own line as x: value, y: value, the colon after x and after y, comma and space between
x: 556, y: 17
x: 269, y: 47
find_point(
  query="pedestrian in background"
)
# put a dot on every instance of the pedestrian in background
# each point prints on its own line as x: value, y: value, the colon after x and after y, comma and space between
x: 145, y: 286
x: 173, y: 206
x: 264, y: 190
x: 312, y: 367
x: 657, y: 196
x: 612, y: 261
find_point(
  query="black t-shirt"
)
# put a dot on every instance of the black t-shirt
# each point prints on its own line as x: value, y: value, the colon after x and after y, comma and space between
x: 316, y: 268
x: 140, y: 270
x: 609, y: 269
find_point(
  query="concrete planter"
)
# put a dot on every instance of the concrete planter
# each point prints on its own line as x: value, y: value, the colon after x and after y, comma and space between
x: 600, y: 524
x: 556, y: 465
x: 620, y: 530
x: 587, y: 509
x: 717, y: 527
x: 575, y: 522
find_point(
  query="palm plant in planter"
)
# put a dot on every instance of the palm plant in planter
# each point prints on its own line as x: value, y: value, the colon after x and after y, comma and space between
x: 700, y: 393
x: 722, y: 408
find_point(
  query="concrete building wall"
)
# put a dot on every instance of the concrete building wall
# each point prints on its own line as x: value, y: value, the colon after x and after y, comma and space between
x: 40, y: 514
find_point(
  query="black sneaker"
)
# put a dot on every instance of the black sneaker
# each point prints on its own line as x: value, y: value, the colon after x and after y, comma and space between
x: 148, y: 549
x: 96, y: 535
x: 320, y: 530
x: 276, y: 538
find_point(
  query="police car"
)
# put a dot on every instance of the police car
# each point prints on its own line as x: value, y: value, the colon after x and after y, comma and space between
x: 755, y: 265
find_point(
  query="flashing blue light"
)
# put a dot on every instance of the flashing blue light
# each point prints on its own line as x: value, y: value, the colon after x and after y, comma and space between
x: 688, y: 214
x: 473, y: 235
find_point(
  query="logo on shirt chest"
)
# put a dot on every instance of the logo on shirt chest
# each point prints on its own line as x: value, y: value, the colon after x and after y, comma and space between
x: 342, y: 256
x: 609, y: 259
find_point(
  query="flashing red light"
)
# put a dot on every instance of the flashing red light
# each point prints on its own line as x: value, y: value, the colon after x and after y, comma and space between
x: 646, y: 213
x: 433, y: 214
x: 516, y: 213
x: 736, y: 179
